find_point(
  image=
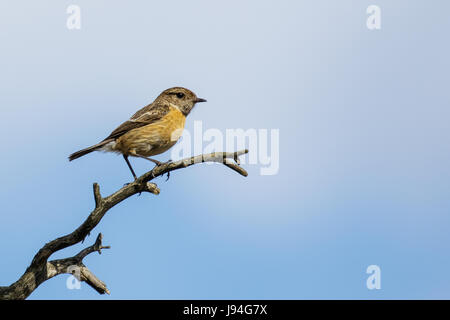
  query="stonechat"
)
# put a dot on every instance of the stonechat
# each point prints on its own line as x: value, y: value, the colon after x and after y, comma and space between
x: 152, y: 130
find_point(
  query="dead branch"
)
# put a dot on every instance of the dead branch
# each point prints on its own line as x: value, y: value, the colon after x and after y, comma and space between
x: 41, y: 270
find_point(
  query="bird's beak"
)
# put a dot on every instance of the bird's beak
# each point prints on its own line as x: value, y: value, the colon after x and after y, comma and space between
x: 200, y: 100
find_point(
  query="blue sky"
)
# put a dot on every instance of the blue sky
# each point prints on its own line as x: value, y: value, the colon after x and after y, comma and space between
x: 364, y: 130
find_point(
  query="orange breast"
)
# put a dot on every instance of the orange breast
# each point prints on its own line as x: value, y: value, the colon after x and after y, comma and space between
x: 154, y: 138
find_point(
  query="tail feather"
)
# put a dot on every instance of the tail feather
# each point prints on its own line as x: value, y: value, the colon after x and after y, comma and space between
x: 85, y: 151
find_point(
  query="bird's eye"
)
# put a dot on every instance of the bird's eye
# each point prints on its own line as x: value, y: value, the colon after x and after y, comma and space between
x: 180, y: 95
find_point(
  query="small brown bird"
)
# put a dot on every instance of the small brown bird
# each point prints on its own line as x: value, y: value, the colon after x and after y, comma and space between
x: 152, y: 130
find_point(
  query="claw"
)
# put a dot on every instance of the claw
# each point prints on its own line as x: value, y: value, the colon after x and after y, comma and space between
x: 168, y: 172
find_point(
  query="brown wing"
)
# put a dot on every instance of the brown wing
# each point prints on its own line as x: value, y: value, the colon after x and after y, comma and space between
x: 143, y: 117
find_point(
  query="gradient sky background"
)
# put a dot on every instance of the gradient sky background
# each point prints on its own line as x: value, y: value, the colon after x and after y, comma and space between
x: 364, y: 146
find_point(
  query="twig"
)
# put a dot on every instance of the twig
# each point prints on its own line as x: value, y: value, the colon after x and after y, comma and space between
x: 40, y: 269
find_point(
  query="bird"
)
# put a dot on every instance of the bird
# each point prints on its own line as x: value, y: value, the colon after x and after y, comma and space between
x: 152, y: 130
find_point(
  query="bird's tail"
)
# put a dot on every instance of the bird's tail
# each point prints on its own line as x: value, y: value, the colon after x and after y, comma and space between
x: 85, y: 151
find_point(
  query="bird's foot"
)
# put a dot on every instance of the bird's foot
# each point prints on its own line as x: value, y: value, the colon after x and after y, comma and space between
x: 168, y: 172
x: 158, y: 164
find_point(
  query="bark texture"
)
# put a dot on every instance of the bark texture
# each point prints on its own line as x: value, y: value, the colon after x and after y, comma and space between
x: 41, y: 269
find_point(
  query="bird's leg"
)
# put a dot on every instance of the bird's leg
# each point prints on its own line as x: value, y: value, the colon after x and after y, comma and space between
x: 129, y: 166
x: 158, y: 163
x: 149, y: 159
x: 154, y: 161
x: 132, y: 171
x: 168, y: 172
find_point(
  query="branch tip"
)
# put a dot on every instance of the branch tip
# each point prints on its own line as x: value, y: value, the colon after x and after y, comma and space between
x: 152, y: 188
x: 97, y: 196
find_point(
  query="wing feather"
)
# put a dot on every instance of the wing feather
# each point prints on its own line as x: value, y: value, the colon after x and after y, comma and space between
x: 147, y: 115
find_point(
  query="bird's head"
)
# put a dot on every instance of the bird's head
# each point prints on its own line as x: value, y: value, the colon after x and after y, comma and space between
x: 182, y: 98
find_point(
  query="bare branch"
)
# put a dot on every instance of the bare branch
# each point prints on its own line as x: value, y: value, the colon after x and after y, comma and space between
x: 88, y: 277
x: 97, y: 246
x: 97, y: 195
x: 75, y: 263
x: 41, y: 269
x: 33, y: 277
